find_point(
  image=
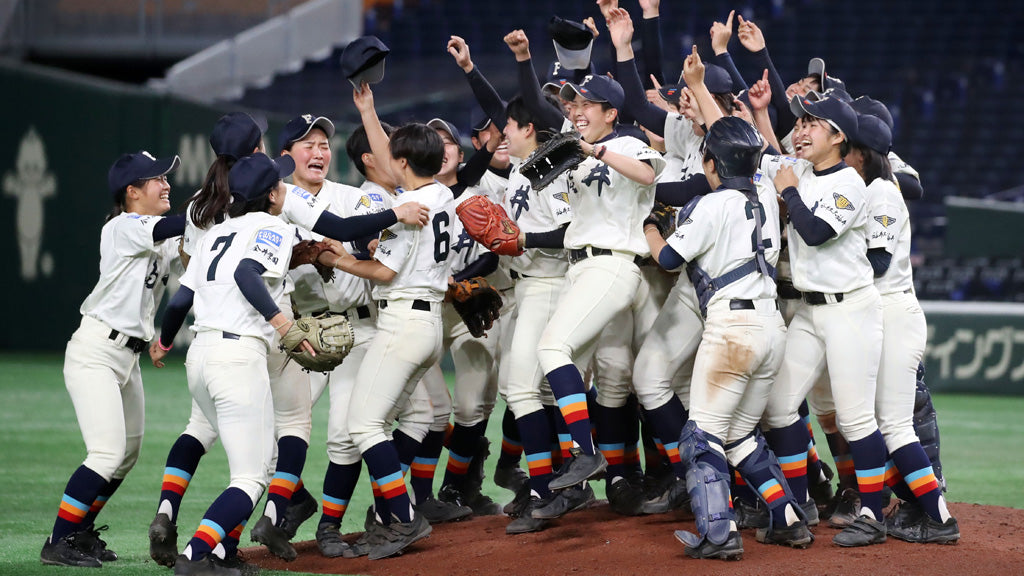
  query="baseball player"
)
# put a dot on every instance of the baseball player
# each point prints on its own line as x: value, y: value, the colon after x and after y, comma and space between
x: 729, y: 241
x: 235, y: 286
x: 838, y: 325
x: 903, y: 344
x: 234, y: 136
x: 101, y: 363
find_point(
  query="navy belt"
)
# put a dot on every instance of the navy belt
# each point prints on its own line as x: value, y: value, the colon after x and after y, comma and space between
x: 362, y: 312
x: 137, y: 345
x: 788, y: 292
x: 819, y: 298
x: 230, y: 336
x: 577, y: 254
x: 743, y: 304
x: 422, y: 305
x: 516, y: 275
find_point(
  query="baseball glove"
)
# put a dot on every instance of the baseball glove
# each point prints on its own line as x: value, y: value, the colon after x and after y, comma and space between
x: 664, y: 217
x: 552, y: 158
x: 308, y: 252
x: 489, y: 224
x: 331, y: 336
x: 477, y: 303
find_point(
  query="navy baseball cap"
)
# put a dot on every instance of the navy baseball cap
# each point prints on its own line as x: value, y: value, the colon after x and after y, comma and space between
x: 558, y: 76
x: 832, y: 110
x: 873, y: 133
x: 141, y: 165
x: 716, y: 78
x: 479, y: 121
x: 446, y: 126
x: 254, y: 175
x: 363, y: 60
x: 573, y: 42
x: 236, y: 135
x: 872, y: 107
x: 817, y: 66
x: 596, y: 88
x: 297, y: 128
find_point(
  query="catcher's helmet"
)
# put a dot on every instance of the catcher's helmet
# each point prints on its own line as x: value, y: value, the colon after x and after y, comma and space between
x: 734, y: 146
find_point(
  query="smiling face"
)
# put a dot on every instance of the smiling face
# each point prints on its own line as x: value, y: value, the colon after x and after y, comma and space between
x: 312, y: 157
x: 452, y: 155
x: 520, y: 142
x: 815, y: 140
x: 802, y: 87
x: 591, y: 119
x: 152, y: 198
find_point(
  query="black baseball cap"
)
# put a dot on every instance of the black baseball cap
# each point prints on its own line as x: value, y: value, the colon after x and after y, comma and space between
x: 297, y: 128
x: 236, y: 135
x: 596, y: 88
x: 558, y: 76
x: 141, y: 165
x: 716, y: 78
x: 817, y: 66
x: 873, y: 133
x: 478, y: 121
x: 439, y: 124
x: 832, y: 110
x: 870, y: 106
x: 573, y: 42
x: 363, y: 60
x: 254, y: 175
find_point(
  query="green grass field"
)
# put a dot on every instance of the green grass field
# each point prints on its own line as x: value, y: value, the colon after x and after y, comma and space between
x: 42, y: 446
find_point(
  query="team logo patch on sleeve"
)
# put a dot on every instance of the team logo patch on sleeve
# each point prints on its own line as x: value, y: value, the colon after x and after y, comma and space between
x: 268, y: 237
x: 885, y: 220
x: 375, y: 197
x: 563, y: 196
x: 387, y: 234
x: 301, y: 193
x: 842, y: 202
x: 363, y: 201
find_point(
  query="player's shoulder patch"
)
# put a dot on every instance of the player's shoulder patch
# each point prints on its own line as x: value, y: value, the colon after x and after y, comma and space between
x: 376, y: 197
x: 386, y: 234
x: 842, y: 202
x: 885, y: 220
x: 269, y: 237
x: 563, y: 196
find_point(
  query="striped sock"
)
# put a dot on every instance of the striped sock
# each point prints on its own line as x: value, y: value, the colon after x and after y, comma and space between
x: 740, y: 489
x: 339, y: 484
x: 461, y: 449
x: 814, y: 473
x: 291, y: 458
x: 380, y: 503
x: 631, y: 454
x: 101, y: 500
x: 561, y: 440
x: 894, y: 480
x: 611, y: 433
x: 182, y: 461
x: 421, y: 477
x: 654, y: 451
x: 790, y: 446
x: 667, y: 422
x: 567, y: 386
x: 382, y: 462
x: 535, y: 432
x: 82, y: 487
x: 869, y: 461
x: 921, y: 479
x: 843, y: 458
x: 511, y: 441
x: 406, y: 446
x: 231, y: 509
x: 230, y: 542
x: 760, y: 477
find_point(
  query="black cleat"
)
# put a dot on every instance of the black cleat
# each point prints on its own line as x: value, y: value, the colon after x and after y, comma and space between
x: 65, y: 552
x: 295, y: 514
x: 397, y: 536
x: 565, y: 501
x: 274, y: 538
x: 864, y: 531
x: 577, y: 468
x: 163, y: 541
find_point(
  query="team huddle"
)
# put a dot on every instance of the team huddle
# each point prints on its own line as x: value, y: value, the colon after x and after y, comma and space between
x: 693, y: 267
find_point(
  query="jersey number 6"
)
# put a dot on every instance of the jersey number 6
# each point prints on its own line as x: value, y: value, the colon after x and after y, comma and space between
x: 442, y: 240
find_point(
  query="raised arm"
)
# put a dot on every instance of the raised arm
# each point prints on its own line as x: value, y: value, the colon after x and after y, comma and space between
x: 693, y: 73
x: 620, y: 27
x: 720, y: 35
x: 548, y: 117
x: 760, y: 95
x: 485, y: 94
x: 753, y: 40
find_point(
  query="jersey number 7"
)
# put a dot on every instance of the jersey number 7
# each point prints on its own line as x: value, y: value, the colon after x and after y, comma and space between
x: 211, y: 272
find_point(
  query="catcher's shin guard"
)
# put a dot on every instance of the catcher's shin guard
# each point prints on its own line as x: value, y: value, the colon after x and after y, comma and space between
x: 707, y: 484
x: 760, y: 461
x: 926, y: 426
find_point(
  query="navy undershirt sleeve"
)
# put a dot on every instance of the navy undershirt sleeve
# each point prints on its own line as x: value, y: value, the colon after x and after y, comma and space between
x: 784, y: 118
x: 650, y: 39
x: 725, y: 61
x: 880, y: 260
x: 175, y: 313
x: 482, y: 266
x: 169, y: 227
x: 648, y: 115
x: 812, y: 229
x: 487, y: 97
x: 669, y: 259
x: 550, y: 239
x: 910, y: 187
x: 474, y: 169
x: 548, y: 116
x: 248, y: 277
x: 354, y: 227
x: 680, y: 193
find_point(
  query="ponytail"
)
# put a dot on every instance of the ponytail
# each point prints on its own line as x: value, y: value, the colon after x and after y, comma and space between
x: 212, y: 200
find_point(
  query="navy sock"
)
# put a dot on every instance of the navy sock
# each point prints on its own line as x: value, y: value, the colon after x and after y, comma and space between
x: 79, y: 494
x: 421, y: 477
x: 511, y: 441
x: 231, y: 509
x: 790, y: 446
x: 291, y: 458
x: 339, y: 484
x: 667, y: 421
x: 461, y: 447
x: 101, y: 500
x: 406, y: 446
x: 567, y: 386
x: 182, y: 461
x: 916, y: 470
x: 869, y: 464
x: 535, y: 432
x: 382, y: 462
x: 611, y: 433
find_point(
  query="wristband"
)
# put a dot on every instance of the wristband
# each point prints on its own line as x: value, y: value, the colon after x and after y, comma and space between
x: 598, y: 154
x: 162, y: 347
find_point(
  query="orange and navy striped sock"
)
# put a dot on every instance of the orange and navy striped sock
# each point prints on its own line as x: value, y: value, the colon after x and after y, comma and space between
x: 79, y: 494
x: 230, y: 542
x: 843, y: 458
x: 611, y: 435
x: 182, y: 461
x: 758, y: 474
x: 790, y: 447
x: 654, y: 451
x: 740, y: 489
x: 814, y: 474
x: 567, y: 386
x: 921, y: 479
x: 667, y: 423
x: 535, y: 432
x: 869, y: 462
x: 231, y: 509
x: 561, y: 440
x: 631, y: 455
x: 511, y: 441
x: 382, y: 462
x: 421, y: 472
x: 380, y: 503
x: 339, y: 484
x: 101, y: 500
x: 461, y: 449
x: 406, y: 446
x: 291, y: 458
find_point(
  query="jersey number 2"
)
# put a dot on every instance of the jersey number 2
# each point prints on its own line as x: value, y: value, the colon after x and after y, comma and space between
x: 442, y: 240
x: 211, y: 272
x: 753, y: 234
